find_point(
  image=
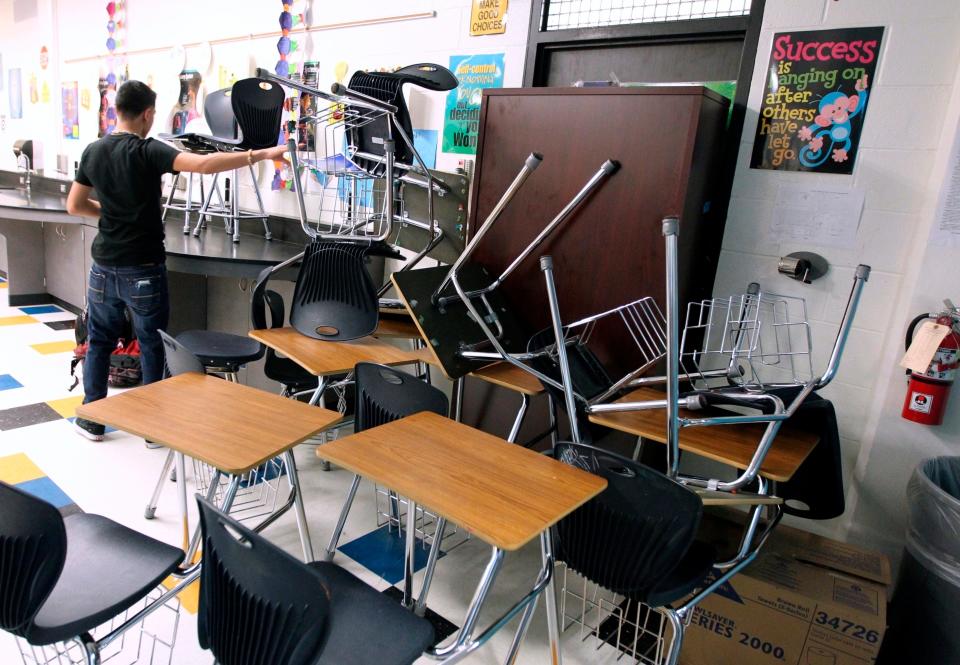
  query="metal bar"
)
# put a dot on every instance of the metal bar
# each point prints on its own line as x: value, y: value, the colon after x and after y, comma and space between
x: 151, y: 509
x: 211, y: 494
x: 409, y: 553
x: 421, y: 606
x: 380, y: 20
x: 342, y: 520
x: 529, y: 166
x: 670, y: 231
x: 182, y: 487
x: 860, y: 278
x: 302, y: 527
x: 354, y: 96
x: 518, y: 421
x: 553, y: 627
x: 298, y: 188
x: 546, y: 265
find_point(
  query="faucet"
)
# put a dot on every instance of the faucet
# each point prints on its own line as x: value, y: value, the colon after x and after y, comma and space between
x: 24, y: 160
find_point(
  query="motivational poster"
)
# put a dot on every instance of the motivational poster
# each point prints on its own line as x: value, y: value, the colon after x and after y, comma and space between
x: 461, y: 123
x: 488, y: 17
x: 70, y: 99
x: 815, y: 99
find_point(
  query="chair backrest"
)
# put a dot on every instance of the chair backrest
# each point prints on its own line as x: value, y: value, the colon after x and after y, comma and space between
x: 630, y: 536
x: 258, y: 108
x: 385, y: 394
x: 180, y: 359
x: 388, y: 87
x: 258, y: 605
x: 33, y: 547
x: 334, y: 298
x: 218, y: 111
x: 267, y: 311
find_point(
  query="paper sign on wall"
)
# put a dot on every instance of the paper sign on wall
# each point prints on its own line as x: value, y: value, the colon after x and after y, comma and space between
x: 461, y: 123
x: 488, y: 17
x: 827, y: 216
x: 815, y: 99
x: 71, y: 111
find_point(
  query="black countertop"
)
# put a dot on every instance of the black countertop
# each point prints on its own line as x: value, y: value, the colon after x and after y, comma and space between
x: 212, y: 253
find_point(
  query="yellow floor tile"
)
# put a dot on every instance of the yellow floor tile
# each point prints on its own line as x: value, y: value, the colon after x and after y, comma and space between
x: 66, y: 407
x: 17, y: 320
x: 53, y: 347
x: 3, y: 285
x: 18, y: 469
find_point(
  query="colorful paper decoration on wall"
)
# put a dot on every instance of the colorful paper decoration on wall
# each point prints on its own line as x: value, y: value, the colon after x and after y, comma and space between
x: 815, y: 99
x: 488, y: 17
x: 461, y: 117
x: 70, y: 100
x: 288, y: 66
x: 15, y: 93
x: 186, y: 108
x: 44, y: 57
x: 115, y: 66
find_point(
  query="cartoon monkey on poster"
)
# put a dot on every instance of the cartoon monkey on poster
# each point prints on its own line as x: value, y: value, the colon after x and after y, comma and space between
x: 832, y: 122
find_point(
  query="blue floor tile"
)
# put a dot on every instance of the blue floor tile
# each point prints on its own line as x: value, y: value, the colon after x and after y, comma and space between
x: 381, y: 552
x: 7, y: 382
x: 41, y: 309
x: 46, y: 489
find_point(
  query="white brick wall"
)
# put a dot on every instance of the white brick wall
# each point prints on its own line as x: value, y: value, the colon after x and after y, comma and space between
x: 911, y: 118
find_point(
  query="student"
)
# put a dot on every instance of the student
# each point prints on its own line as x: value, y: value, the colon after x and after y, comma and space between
x: 128, y: 270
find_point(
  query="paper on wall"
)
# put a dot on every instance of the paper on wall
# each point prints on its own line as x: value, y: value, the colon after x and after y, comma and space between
x: 946, y: 228
x: 817, y: 216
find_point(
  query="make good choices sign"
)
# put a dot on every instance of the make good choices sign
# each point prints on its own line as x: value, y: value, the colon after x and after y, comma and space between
x: 815, y: 100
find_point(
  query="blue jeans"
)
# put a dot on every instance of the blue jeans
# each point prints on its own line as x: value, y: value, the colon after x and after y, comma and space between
x: 142, y: 289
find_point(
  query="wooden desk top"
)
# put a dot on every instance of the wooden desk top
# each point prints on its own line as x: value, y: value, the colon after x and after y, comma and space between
x: 730, y: 444
x: 232, y: 427
x: 396, y: 327
x: 322, y: 358
x: 508, y: 376
x: 503, y: 493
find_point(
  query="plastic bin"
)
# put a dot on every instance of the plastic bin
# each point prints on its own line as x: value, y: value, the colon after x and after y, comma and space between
x: 925, y: 612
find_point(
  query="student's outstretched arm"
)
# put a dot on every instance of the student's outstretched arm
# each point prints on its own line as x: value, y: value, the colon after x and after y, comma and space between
x: 186, y: 162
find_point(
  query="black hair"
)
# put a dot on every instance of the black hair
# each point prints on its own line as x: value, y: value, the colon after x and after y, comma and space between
x: 135, y: 97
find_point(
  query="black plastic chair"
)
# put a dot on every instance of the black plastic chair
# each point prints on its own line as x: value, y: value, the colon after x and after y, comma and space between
x: 260, y: 606
x: 62, y: 577
x: 636, y: 538
x: 334, y: 298
x: 384, y: 394
x: 388, y: 87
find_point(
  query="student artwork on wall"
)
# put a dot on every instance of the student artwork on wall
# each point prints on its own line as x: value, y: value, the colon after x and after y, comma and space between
x: 71, y: 111
x: 816, y: 99
x: 461, y: 123
x: 15, y: 93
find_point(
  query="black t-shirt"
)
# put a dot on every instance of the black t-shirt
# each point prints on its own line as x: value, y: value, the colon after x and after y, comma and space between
x: 125, y: 171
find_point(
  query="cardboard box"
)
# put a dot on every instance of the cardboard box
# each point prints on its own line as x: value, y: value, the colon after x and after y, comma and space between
x: 805, y: 600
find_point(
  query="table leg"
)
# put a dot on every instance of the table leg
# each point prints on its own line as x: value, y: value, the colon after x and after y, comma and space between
x: 298, y: 507
x: 421, y: 607
x: 211, y: 495
x: 335, y: 537
x: 553, y: 627
x: 457, y: 402
x: 317, y: 399
x: 182, y: 486
x: 151, y: 509
x: 518, y: 421
x: 408, y: 553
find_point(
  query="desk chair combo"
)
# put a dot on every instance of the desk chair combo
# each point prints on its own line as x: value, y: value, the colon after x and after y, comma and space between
x: 72, y: 587
x: 252, y: 122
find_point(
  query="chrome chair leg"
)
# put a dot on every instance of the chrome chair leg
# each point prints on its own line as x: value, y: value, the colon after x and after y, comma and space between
x: 187, y: 203
x: 205, y: 206
x: 173, y: 188
x: 235, y: 205
x: 553, y: 619
x: 518, y: 421
x: 298, y: 507
x: 338, y: 530
x: 421, y: 606
x: 676, y: 641
x: 151, y: 509
x: 256, y: 190
x: 409, y: 554
x: 91, y: 650
x: 552, y: 408
x: 211, y: 495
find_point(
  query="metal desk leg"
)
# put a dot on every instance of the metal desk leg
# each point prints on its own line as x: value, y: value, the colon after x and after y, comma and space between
x: 298, y: 506
x: 187, y: 204
x: 552, y: 407
x: 151, y: 509
x: 182, y: 486
x: 408, y: 554
x: 553, y: 627
x: 235, y: 204
x: 421, y: 607
x: 335, y: 537
x: 211, y: 495
x: 315, y: 399
x: 457, y: 401
x: 518, y: 421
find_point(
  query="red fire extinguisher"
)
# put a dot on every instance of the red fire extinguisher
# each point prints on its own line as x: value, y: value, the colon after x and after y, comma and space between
x: 927, y: 393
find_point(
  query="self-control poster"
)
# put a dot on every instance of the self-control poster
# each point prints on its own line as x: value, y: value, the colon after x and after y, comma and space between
x: 815, y: 99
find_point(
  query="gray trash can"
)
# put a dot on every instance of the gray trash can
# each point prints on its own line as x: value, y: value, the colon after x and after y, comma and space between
x: 925, y: 611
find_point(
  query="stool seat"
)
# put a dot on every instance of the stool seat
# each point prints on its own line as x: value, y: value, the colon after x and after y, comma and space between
x: 217, y: 349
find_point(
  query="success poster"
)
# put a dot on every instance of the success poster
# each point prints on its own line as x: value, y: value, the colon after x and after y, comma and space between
x: 815, y: 100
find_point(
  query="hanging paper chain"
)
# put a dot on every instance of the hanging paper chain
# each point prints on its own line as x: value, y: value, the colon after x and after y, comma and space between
x: 116, y: 29
x: 288, y: 66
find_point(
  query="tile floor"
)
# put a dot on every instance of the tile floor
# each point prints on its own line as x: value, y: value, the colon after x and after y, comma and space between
x: 40, y: 451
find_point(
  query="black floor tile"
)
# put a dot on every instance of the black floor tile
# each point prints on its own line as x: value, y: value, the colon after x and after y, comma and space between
x: 62, y: 325
x: 442, y: 629
x: 23, y: 416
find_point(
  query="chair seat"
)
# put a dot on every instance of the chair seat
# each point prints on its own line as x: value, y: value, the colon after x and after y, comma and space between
x: 365, y: 626
x: 108, y: 568
x: 289, y: 373
x: 215, y: 348
x: 689, y: 574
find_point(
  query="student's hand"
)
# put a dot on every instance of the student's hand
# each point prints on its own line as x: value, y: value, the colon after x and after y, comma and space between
x: 273, y: 154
